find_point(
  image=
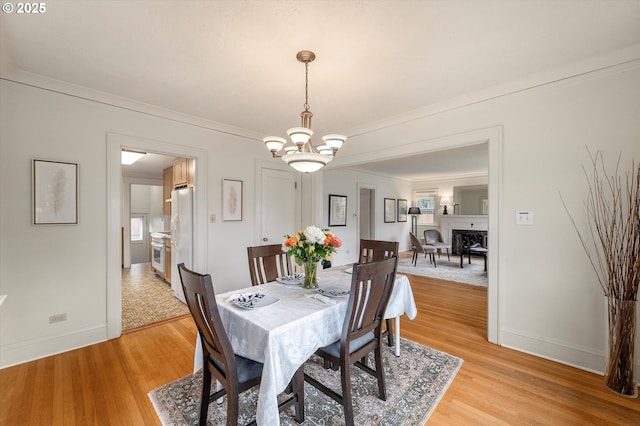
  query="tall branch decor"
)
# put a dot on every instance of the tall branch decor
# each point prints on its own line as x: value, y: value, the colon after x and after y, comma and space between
x: 612, y: 245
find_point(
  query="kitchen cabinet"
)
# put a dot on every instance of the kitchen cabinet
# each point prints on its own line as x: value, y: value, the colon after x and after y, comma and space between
x: 167, y: 261
x: 167, y: 186
x: 183, y: 171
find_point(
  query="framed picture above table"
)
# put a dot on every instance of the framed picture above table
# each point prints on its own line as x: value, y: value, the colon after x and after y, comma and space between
x: 337, y: 210
x: 402, y: 210
x: 389, y: 210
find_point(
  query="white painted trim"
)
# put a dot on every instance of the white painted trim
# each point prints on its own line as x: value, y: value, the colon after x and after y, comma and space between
x: 59, y: 86
x: 29, y: 350
x: 592, y: 67
x: 555, y: 350
x: 493, y: 137
x: 371, y: 186
x: 115, y: 143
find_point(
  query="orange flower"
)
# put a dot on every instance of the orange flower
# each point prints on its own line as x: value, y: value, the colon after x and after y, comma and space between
x: 291, y: 241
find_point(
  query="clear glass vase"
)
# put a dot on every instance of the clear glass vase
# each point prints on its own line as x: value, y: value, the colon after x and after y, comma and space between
x: 310, y: 274
x: 621, y: 374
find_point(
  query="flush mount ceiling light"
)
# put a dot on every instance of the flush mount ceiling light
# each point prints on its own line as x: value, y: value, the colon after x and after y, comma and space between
x: 129, y: 157
x: 300, y: 153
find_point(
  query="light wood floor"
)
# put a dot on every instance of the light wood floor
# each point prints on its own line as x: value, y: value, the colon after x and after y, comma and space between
x: 107, y: 383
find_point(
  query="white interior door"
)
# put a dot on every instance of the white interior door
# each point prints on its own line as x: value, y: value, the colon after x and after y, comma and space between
x: 280, y: 206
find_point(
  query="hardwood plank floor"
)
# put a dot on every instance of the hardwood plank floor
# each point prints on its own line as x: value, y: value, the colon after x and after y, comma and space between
x: 107, y: 383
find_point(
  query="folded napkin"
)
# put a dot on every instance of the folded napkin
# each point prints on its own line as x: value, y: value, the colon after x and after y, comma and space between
x: 324, y: 299
x: 239, y: 295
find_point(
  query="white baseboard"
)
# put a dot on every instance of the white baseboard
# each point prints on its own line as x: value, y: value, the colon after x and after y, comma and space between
x: 30, y: 350
x: 573, y: 355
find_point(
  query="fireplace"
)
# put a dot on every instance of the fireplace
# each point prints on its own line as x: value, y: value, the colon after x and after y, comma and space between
x: 467, y: 238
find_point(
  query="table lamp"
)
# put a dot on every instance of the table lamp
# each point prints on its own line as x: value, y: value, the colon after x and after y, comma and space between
x: 414, y: 212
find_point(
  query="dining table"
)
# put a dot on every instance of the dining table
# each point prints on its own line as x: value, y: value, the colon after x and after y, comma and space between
x: 289, y: 323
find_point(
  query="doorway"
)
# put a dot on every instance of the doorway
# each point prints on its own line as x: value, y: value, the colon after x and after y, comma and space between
x: 366, y: 212
x: 115, y: 197
x: 147, y: 296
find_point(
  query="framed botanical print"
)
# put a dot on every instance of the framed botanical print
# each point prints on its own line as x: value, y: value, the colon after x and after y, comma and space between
x: 402, y: 210
x: 389, y: 210
x: 231, y: 200
x: 55, y: 192
x: 337, y: 210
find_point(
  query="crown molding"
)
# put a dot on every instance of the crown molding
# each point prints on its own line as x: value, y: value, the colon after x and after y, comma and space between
x: 58, y: 86
x: 596, y: 66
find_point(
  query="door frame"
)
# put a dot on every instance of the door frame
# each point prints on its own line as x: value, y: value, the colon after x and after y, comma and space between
x: 115, y: 143
x: 372, y: 209
x: 493, y: 136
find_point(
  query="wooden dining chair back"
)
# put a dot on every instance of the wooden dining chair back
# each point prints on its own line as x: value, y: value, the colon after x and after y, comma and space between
x: 374, y: 251
x: 235, y: 373
x: 268, y: 262
x: 371, y: 287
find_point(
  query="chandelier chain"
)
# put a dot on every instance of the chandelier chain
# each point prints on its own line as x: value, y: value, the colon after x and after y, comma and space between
x: 306, y: 86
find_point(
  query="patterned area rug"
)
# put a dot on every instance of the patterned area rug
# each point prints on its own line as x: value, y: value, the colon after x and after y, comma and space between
x: 416, y: 380
x: 447, y: 270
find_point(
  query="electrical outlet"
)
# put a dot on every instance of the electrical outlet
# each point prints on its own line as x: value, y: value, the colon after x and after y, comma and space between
x: 57, y: 318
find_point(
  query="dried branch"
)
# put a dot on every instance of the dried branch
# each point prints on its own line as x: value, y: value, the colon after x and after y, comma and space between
x: 613, y: 241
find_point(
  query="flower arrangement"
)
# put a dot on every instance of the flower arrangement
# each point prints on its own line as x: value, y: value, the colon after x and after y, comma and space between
x: 309, y: 247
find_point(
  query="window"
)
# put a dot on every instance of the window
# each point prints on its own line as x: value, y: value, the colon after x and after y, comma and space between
x: 137, y: 228
x: 426, y: 201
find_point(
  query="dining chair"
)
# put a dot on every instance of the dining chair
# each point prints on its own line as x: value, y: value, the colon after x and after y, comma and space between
x: 371, y: 286
x: 432, y: 237
x: 418, y: 247
x: 268, y: 262
x: 235, y: 373
x: 373, y: 251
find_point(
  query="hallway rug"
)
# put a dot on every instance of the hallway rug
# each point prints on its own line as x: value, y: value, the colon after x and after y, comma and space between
x: 473, y: 274
x: 416, y: 381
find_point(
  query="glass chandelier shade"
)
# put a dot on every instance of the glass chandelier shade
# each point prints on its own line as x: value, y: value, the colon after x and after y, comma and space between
x: 300, y: 153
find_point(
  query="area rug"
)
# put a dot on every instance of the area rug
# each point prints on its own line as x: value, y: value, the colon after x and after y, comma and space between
x: 473, y: 274
x: 416, y: 381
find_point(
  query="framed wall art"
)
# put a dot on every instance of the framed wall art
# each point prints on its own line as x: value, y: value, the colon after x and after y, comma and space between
x: 402, y: 210
x: 389, y: 210
x: 337, y: 210
x: 55, y: 192
x: 231, y: 200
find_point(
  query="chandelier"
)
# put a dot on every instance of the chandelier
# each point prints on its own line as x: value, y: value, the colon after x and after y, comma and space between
x: 300, y: 153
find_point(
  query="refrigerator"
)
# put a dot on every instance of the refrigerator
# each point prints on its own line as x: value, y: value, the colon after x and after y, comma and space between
x: 181, y: 236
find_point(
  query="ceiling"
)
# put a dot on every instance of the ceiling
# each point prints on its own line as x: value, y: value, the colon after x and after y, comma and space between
x: 233, y: 62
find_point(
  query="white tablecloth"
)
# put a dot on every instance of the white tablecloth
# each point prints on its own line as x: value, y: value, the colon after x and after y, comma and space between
x: 285, y: 334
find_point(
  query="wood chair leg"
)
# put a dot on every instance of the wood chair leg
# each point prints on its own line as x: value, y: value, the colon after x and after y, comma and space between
x: 206, y: 390
x: 382, y: 389
x: 347, y: 402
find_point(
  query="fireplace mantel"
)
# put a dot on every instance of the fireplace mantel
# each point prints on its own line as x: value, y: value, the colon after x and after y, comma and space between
x: 464, y: 222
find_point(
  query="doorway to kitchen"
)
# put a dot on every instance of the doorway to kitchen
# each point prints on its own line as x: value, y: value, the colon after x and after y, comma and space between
x: 147, y: 294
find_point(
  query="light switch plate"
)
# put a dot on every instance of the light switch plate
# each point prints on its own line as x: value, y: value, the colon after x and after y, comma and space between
x: 524, y: 217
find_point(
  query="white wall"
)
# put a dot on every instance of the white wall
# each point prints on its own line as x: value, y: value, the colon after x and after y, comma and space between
x: 53, y: 269
x: 444, y: 187
x: 549, y: 301
x: 345, y: 182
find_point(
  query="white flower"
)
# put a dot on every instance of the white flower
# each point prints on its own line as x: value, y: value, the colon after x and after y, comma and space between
x: 314, y: 235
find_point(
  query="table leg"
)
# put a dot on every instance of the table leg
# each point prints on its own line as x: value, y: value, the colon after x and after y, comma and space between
x: 397, y: 348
